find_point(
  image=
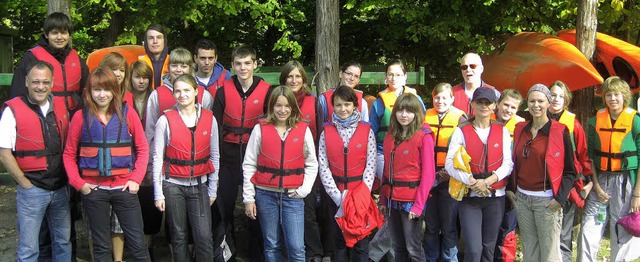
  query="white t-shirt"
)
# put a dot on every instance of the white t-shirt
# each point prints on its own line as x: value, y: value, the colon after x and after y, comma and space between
x: 8, y: 127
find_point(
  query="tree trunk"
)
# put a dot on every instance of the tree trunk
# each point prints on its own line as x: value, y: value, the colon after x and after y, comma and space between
x: 327, y: 44
x: 586, y: 27
x: 116, y: 27
x: 59, y: 6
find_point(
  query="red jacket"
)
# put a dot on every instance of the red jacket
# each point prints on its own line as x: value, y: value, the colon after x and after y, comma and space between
x: 404, y: 159
x: 66, y: 79
x: 347, y: 164
x: 484, y: 162
x: 554, y: 154
x: 140, y: 146
x: 187, y: 154
x: 327, y: 97
x: 30, y: 145
x: 308, y: 111
x: 361, y: 215
x: 280, y: 162
x: 241, y: 114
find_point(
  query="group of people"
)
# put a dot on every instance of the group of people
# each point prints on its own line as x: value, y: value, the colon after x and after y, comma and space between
x: 177, y: 134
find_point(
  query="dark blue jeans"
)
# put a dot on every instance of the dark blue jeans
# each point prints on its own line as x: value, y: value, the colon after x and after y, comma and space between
x: 189, y: 204
x: 480, y: 219
x: 441, y: 233
x: 406, y: 236
x: 127, y: 208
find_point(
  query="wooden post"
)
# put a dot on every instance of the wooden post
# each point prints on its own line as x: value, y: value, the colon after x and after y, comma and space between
x: 327, y: 44
x: 59, y: 6
x: 586, y: 26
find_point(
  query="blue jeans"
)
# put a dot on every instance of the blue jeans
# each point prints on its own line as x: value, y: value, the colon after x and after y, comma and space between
x: 278, y: 211
x: 33, y: 204
x: 189, y: 204
x: 441, y: 231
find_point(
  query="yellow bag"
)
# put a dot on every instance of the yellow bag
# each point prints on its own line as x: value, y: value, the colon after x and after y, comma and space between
x: 461, y: 160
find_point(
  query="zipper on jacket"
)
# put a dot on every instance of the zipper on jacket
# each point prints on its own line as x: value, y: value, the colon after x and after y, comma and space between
x: 244, y: 102
x: 104, y: 148
x: 64, y: 86
x: 281, y: 163
x: 345, y: 151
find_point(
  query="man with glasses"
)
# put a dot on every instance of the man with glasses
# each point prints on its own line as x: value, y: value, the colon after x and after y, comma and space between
x: 471, y: 68
x: 33, y: 127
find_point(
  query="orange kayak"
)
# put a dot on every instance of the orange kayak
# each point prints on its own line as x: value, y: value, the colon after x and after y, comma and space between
x: 529, y: 58
x: 130, y: 52
x: 618, y: 57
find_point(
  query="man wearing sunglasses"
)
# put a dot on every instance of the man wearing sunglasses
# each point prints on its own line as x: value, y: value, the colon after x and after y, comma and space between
x: 471, y: 69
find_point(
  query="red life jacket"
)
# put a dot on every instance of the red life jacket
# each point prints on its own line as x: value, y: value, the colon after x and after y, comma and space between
x: 241, y: 113
x: 128, y: 98
x: 66, y: 78
x: 308, y: 110
x: 327, y: 97
x: 167, y: 101
x: 212, y: 87
x: 187, y: 154
x: 402, y: 168
x: 483, y: 162
x: 554, y: 155
x: 280, y: 162
x: 30, y: 148
x: 347, y: 164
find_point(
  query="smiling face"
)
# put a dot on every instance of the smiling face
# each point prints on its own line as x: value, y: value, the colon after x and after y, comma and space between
x: 471, y: 68
x: 101, y: 96
x: 538, y: 104
x: 557, y: 99
x: 176, y: 70
x: 39, y: 82
x: 184, y: 94
x: 282, y: 109
x: 295, y: 80
x: 443, y: 101
x: 614, y: 101
x: 155, y: 41
x: 244, y: 67
x: 350, y: 77
x: 483, y: 108
x: 507, y: 108
x: 396, y: 78
x: 120, y: 74
x: 57, y: 38
x: 343, y: 109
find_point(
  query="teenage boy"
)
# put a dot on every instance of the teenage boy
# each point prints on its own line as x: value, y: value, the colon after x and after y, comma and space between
x: 237, y: 106
x: 157, y: 53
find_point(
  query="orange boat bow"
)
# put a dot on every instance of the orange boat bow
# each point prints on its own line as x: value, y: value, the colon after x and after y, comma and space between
x: 530, y: 58
x: 618, y: 57
x: 130, y: 52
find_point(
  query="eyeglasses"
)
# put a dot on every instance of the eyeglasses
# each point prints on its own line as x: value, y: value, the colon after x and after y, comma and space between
x: 390, y: 75
x: 349, y: 74
x: 464, y: 67
x: 527, y: 148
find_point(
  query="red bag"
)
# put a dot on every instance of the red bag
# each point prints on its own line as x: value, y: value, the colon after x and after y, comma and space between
x: 630, y: 223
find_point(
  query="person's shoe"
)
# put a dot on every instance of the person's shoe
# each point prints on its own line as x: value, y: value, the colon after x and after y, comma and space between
x: 314, y: 259
x: 326, y: 259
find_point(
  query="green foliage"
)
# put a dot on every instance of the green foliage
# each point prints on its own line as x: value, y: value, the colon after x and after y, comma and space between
x: 433, y: 34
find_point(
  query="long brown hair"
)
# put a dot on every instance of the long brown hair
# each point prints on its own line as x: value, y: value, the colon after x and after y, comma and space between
x: 285, y: 91
x: 411, y: 103
x: 104, y: 77
x: 115, y: 61
x: 286, y: 70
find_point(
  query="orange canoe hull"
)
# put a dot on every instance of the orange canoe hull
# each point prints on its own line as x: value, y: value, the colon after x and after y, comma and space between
x: 530, y: 58
x: 130, y: 52
x: 618, y: 57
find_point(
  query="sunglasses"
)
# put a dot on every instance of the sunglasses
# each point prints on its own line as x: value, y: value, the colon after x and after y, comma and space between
x: 464, y: 67
x: 527, y: 148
